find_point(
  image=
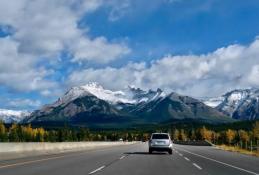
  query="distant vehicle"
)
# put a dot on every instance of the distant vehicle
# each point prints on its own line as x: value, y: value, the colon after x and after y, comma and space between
x: 121, y: 140
x: 160, y: 142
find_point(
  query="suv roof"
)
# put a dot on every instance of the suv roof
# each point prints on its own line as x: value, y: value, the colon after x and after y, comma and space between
x: 160, y: 133
x: 160, y: 136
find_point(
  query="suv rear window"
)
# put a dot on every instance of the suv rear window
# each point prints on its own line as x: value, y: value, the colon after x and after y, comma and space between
x: 160, y: 136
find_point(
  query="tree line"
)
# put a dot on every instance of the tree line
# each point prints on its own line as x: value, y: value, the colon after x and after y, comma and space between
x: 25, y: 133
x: 241, y: 138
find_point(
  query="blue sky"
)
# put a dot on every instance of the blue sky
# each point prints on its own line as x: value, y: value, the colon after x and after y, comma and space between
x: 194, y: 47
x: 183, y: 27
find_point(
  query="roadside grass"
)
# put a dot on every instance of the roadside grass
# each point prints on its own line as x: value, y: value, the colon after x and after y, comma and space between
x: 239, y: 150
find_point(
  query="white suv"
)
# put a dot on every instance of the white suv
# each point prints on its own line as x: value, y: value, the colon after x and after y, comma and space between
x: 160, y: 142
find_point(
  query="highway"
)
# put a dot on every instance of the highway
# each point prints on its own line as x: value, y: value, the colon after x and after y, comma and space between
x: 134, y: 160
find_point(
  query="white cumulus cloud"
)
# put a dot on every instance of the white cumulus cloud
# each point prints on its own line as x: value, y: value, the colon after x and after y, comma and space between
x: 17, y: 70
x: 234, y: 66
x: 42, y: 30
x: 45, y: 28
x: 25, y: 103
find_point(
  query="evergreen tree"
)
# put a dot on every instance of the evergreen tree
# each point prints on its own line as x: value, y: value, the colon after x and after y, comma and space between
x: 83, y: 134
x: 52, y: 136
x: 13, y: 133
x: 3, y: 132
x: 256, y: 130
x: 40, y: 135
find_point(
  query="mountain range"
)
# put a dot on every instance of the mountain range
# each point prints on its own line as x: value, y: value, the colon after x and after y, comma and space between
x: 12, y: 116
x: 91, y: 104
x: 242, y: 104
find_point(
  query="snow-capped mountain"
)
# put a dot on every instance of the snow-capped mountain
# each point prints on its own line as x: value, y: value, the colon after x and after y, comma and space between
x: 140, y: 96
x: 12, y: 116
x: 129, y: 95
x: 93, y: 94
x: 96, y: 90
x: 175, y: 107
x: 233, y: 100
x: 91, y: 104
x: 145, y: 100
x: 239, y: 104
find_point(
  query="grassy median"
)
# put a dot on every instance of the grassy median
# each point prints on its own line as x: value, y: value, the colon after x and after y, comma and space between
x: 237, y: 149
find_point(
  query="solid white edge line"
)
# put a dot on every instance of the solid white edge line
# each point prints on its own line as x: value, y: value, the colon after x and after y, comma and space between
x: 197, y: 166
x: 31, y: 161
x: 98, y: 169
x: 186, y: 159
x: 223, y: 163
x: 51, y: 158
x: 180, y: 154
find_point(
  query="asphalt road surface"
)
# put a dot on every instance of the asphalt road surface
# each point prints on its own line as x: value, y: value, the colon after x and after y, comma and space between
x: 134, y: 160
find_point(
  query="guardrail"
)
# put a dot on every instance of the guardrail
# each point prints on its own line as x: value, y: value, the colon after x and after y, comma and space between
x: 18, y: 150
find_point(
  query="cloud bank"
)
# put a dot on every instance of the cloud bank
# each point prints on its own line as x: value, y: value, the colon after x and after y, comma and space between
x: 212, y: 74
x: 37, y: 34
x: 42, y: 31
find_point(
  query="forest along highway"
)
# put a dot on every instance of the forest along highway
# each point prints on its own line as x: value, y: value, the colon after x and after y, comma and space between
x: 134, y: 159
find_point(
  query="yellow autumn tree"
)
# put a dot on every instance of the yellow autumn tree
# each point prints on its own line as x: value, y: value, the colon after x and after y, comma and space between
x: 183, y: 135
x: 145, y: 136
x: 244, y: 137
x: 176, y: 134
x: 230, y: 135
x: 206, y: 134
x: 40, y: 134
x: 215, y: 136
x: 27, y: 133
x: 193, y: 134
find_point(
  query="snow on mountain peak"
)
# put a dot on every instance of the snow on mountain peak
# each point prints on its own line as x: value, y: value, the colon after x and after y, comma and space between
x: 97, y: 90
x: 236, y: 102
x: 237, y: 95
x: 232, y: 98
x: 11, y: 116
x: 144, y: 96
x: 72, y: 94
x: 107, y: 95
x: 130, y: 95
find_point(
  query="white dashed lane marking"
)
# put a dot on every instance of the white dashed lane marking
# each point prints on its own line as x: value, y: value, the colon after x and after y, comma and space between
x: 197, y: 166
x: 98, y: 169
x: 122, y: 157
x: 186, y: 159
x: 223, y: 163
